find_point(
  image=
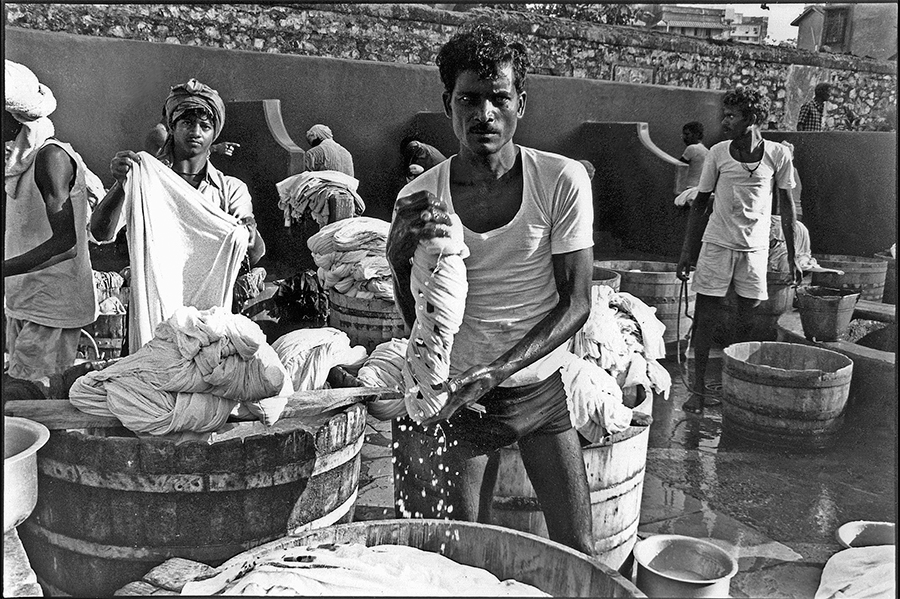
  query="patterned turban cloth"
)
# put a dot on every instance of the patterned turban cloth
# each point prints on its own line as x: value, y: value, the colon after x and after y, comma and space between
x: 191, y: 95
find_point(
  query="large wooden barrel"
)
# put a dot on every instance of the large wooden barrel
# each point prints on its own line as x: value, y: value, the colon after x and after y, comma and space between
x: 784, y: 394
x: 615, y: 471
x: 890, y: 277
x: 866, y: 275
x: 367, y: 322
x: 112, y: 507
x: 551, y: 567
x: 605, y: 276
x: 656, y: 284
x: 780, y: 290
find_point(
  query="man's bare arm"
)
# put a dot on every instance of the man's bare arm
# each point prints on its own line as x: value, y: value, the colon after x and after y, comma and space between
x: 54, y: 175
x: 573, y: 272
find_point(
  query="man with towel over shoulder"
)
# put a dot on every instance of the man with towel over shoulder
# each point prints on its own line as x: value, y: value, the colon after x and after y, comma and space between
x: 527, y: 220
x: 206, y: 213
x: 49, y: 288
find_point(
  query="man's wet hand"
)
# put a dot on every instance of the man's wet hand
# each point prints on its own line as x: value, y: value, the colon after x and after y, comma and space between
x: 683, y: 270
x: 464, y: 391
x: 122, y: 163
x: 418, y: 216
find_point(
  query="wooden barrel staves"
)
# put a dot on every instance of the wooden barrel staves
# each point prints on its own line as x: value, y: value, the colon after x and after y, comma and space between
x: 367, y: 322
x: 780, y: 289
x: 784, y: 394
x: 866, y: 275
x: 656, y: 284
x: 605, y: 276
x: 890, y: 277
x: 110, y: 508
x: 615, y: 471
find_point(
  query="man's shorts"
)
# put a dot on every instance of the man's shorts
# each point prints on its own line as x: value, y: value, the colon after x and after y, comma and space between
x: 719, y: 267
x: 37, y: 351
x: 511, y: 413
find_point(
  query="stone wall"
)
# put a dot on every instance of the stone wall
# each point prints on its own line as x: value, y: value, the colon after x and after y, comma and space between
x: 410, y: 33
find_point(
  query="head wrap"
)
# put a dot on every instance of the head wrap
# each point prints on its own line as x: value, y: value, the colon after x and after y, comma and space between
x: 26, y: 98
x: 318, y: 133
x: 191, y: 95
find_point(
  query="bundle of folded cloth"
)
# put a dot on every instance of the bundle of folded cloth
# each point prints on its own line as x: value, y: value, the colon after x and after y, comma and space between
x: 307, y: 195
x: 350, y: 256
x: 198, y: 368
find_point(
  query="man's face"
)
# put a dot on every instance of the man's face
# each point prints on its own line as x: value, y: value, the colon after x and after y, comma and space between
x: 193, y: 135
x: 734, y: 123
x: 484, y: 112
x: 823, y: 95
x: 11, y: 126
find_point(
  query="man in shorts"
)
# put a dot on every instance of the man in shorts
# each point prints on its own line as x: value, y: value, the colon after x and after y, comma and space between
x: 735, y: 242
x: 528, y: 218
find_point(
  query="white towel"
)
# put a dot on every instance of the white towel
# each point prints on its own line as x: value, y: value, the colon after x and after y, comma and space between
x: 184, y: 251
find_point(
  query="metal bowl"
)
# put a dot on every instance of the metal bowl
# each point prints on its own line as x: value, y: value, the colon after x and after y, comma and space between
x: 681, y: 566
x: 21, y: 440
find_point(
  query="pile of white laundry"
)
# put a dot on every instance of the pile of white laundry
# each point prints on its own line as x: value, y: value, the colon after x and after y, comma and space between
x: 350, y: 255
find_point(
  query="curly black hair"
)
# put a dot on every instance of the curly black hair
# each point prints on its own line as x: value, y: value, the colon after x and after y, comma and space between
x: 695, y: 127
x: 749, y: 102
x: 485, y: 51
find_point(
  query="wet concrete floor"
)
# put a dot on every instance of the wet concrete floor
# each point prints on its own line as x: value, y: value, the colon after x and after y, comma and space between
x: 776, y: 510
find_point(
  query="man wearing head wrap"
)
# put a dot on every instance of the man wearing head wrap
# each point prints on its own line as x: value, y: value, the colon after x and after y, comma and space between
x: 49, y: 288
x: 325, y: 153
x: 193, y: 116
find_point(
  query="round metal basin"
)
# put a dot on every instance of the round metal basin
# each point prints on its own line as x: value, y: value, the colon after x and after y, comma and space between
x: 21, y: 440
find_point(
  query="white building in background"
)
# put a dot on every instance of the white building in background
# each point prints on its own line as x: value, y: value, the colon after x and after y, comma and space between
x: 708, y: 23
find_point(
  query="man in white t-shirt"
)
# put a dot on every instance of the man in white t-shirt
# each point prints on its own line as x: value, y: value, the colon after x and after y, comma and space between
x: 694, y: 154
x: 735, y: 242
x: 528, y: 218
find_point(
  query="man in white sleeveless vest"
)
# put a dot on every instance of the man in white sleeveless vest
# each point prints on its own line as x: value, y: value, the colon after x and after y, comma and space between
x: 527, y: 219
x: 49, y: 288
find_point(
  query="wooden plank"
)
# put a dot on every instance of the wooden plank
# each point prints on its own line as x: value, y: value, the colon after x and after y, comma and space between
x: 60, y: 414
x: 57, y: 414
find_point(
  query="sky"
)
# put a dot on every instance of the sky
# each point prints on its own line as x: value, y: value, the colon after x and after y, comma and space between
x: 780, y: 17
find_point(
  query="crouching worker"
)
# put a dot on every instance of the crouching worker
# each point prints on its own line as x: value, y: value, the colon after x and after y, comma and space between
x: 49, y: 288
x: 190, y: 227
x: 527, y: 221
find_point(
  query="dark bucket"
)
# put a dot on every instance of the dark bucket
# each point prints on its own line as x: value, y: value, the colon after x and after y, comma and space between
x: 825, y: 313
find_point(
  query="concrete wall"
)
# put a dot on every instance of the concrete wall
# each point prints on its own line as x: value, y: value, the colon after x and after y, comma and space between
x: 873, y: 30
x: 412, y: 33
x: 368, y: 105
x: 111, y: 91
x: 849, y: 189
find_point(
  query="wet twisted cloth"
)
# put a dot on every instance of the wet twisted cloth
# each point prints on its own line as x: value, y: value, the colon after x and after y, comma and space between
x: 352, y: 569
x: 189, y: 377
x: 384, y: 368
x: 438, y: 285
x: 184, y: 250
x: 309, y: 354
